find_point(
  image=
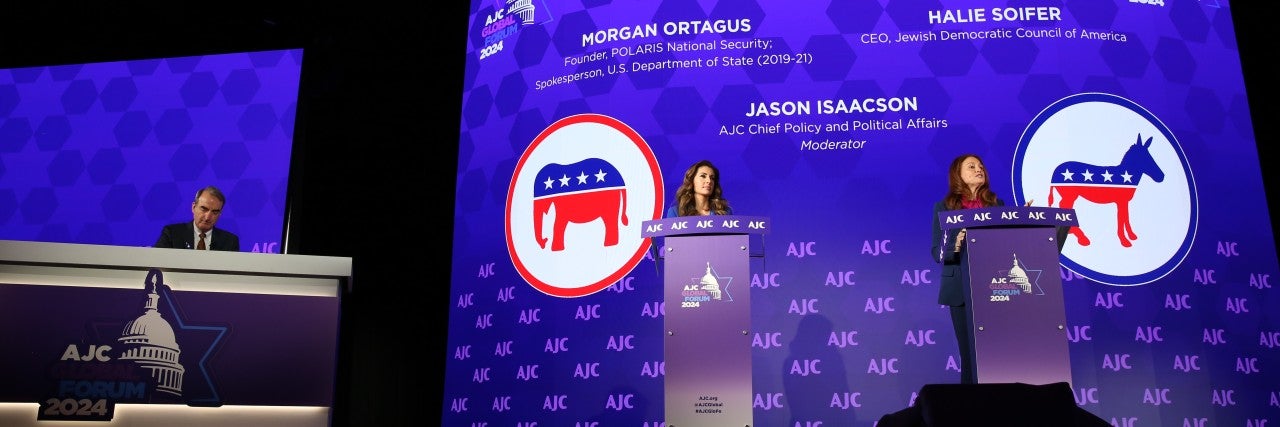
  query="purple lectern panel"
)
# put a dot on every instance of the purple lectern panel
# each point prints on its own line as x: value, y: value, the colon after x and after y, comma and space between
x: 159, y: 346
x: 1019, y: 320
x: 708, y: 320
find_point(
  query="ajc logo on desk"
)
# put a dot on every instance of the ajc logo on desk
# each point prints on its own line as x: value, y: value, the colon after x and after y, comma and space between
x: 708, y: 288
x: 1125, y: 175
x: 575, y: 204
x: 1016, y: 281
x: 133, y: 361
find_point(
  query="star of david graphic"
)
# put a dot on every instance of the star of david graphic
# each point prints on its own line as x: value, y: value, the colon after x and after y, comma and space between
x: 1029, y: 276
x: 197, y: 345
x: 715, y: 285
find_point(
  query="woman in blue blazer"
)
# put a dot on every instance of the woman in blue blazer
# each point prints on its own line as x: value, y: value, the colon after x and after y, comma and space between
x: 967, y: 188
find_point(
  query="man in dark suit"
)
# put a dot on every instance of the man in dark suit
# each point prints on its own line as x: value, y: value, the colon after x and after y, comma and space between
x: 200, y: 233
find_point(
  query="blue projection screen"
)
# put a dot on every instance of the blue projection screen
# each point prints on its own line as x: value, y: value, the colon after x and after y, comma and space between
x: 108, y: 153
x: 838, y: 121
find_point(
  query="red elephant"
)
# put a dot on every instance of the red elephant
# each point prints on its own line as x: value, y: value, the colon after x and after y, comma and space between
x: 580, y: 192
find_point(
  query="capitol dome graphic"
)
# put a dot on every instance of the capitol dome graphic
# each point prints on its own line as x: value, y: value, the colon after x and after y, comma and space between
x: 710, y: 283
x: 1018, y: 276
x: 149, y: 342
x: 522, y: 8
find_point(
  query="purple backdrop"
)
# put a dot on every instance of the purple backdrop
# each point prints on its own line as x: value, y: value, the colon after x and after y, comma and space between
x: 837, y: 120
x: 108, y: 153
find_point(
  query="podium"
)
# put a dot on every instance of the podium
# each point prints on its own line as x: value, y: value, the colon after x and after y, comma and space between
x: 706, y: 274
x: 1015, y: 292
x: 167, y: 336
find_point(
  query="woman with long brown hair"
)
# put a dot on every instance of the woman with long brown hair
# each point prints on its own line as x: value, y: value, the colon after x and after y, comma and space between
x: 967, y: 188
x: 700, y: 193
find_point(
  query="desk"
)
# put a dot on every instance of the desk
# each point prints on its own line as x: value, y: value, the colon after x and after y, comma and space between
x: 139, y: 336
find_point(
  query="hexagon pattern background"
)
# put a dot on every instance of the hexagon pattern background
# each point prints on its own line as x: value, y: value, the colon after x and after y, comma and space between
x: 107, y: 153
x: 845, y: 321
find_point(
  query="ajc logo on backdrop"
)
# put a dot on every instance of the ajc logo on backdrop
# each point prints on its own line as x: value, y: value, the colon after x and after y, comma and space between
x: 1125, y: 175
x: 503, y: 20
x: 575, y: 204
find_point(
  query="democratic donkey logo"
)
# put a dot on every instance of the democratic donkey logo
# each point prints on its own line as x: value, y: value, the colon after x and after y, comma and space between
x: 1116, y: 185
x: 1125, y: 175
x: 576, y: 200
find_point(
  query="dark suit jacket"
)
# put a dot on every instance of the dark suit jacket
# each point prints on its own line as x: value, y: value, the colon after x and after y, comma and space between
x: 180, y: 236
x: 954, y: 270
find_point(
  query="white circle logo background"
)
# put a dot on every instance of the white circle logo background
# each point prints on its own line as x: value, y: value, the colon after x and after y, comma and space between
x: 585, y: 266
x: 1098, y: 129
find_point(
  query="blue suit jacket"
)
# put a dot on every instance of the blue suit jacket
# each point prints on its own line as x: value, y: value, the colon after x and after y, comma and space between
x: 955, y: 270
x: 671, y: 212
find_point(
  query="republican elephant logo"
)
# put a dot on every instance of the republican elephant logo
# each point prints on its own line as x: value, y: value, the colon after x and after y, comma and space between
x: 577, y: 196
x: 579, y: 193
